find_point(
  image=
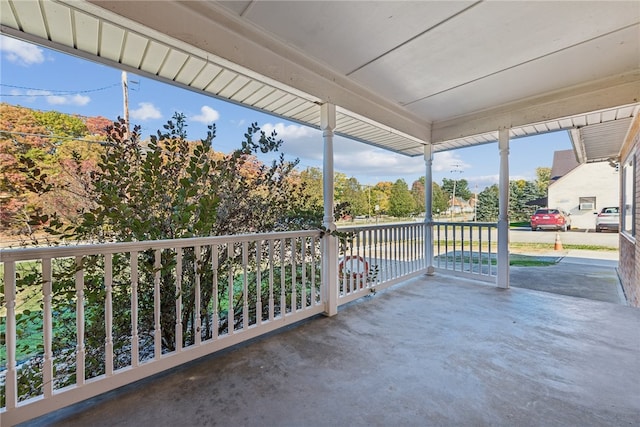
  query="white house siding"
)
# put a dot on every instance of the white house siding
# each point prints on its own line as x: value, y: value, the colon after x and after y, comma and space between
x: 598, y: 180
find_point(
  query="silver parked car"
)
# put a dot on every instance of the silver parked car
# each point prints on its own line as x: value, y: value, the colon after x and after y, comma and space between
x: 608, y: 219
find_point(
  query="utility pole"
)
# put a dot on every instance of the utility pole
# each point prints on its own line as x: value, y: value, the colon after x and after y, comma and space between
x: 456, y: 168
x: 125, y: 98
x: 475, y: 205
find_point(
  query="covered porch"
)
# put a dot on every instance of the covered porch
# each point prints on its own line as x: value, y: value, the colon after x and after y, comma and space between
x: 423, y: 349
x: 436, y: 350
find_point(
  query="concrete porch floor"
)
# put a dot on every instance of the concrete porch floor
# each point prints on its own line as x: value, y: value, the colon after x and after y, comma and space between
x: 434, y: 351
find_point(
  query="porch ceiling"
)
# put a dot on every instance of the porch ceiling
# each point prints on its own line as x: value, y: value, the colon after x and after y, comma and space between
x: 401, y: 73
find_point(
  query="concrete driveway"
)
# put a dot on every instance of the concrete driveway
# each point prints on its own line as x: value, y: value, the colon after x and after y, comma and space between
x: 578, y: 273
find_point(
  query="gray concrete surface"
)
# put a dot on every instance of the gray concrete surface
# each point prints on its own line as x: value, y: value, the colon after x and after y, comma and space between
x: 572, y: 237
x: 435, y: 351
x: 578, y: 273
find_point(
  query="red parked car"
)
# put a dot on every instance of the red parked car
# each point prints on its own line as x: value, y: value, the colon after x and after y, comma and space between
x: 553, y: 219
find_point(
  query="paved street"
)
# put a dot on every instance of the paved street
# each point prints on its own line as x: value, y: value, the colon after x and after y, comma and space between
x: 574, y: 237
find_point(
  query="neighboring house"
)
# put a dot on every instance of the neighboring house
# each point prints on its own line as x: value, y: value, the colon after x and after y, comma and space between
x: 461, y: 206
x: 582, y: 189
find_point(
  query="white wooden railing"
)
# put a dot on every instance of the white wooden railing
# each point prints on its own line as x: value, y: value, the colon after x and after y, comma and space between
x: 85, y: 319
x: 466, y: 248
x: 376, y: 257
x: 110, y: 314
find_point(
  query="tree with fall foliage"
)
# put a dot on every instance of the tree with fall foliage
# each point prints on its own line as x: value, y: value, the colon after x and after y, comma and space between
x: 43, y: 143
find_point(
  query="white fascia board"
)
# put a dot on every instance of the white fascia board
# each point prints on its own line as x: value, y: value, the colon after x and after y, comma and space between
x: 578, y: 145
x: 599, y: 95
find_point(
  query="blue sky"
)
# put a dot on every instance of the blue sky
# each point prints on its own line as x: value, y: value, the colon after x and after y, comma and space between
x: 44, y: 79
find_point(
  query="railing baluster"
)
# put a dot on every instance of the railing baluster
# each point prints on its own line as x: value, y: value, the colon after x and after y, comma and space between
x: 230, y: 307
x: 11, y: 379
x: 446, y: 246
x: 215, y: 303
x: 197, y: 310
x: 439, y: 250
x: 303, y: 279
x: 388, y: 255
x: 283, y: 279
x: 108, y: 314
x: 455, y: 246
x: 462, y: 247
x: 135, y: 340
x: 294, y: 296
x: 245, y: 286
x: 157, y: 335
x: 80, y: 349
x: 480, y: 257
x: 259, y: 282
x: 178, y: 322
x: 392, y: 253
x: 490, y: 249
x: 314, y: 263
x: 47, y: 327
x: 271, y: 296
x: 376, y: 233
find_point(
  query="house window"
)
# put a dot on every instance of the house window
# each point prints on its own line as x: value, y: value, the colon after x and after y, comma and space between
x: 628, y: 201
x: 587, y: 203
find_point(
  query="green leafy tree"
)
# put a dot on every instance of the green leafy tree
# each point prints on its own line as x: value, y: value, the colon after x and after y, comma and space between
x: 440, y: 200
x: 355, y: 196
x: 543, y: 176
x: 461, y: 188
x: 488, y: 204
x: 61, y: 124
x: 312, y: 203
x: 380, y: 196
x: 418, y: 194
x: 167, y: 188
x: 521, y: 192
x: 174, y: 188
x: 401, y: 202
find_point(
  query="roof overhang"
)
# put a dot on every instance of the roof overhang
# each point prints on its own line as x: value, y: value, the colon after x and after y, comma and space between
x: 602, y: 141
x: 402, y: 74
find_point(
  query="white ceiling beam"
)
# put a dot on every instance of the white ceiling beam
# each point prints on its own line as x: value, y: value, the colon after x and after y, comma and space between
x: 603, y: 94
x: 211, y: 28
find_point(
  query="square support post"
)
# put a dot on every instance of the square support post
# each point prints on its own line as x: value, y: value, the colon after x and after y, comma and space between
x: 428, y: 208
x: 502, y: 278
x: 330, y: 241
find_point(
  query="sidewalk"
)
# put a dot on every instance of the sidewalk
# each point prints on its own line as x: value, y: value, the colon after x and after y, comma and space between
x: 579, y: 273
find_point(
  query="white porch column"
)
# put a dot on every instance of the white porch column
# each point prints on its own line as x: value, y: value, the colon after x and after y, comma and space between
x: 502, y: 279
x: 428, y: 206
x: 330, y: 244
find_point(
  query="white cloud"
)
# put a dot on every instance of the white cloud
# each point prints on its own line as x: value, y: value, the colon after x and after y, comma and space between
x: 354, y: 158
x: 145, y: 111
x: 238, y: 123
x: 287, y: 132
x: 207, y: 115
x: 20, y: 52
x: 299, y: 141
x: 373, y: 162
x: 76, y: 99
x: 447, y: 161
x: 53, y: 99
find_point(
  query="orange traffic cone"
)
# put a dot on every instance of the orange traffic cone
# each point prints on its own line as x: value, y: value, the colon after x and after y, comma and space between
x: 558, y: 245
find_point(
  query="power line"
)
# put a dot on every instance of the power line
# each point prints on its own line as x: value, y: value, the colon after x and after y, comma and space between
x: 53, y: 92
x: 41, y: 135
